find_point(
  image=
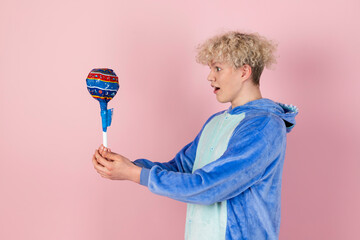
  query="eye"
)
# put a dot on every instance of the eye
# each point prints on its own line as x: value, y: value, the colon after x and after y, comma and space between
x: 217, y: 69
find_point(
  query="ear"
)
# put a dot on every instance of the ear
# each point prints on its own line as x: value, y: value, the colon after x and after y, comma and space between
x: 246, y: 71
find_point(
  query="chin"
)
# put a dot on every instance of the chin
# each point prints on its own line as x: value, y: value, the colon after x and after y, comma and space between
x: 222, y: 100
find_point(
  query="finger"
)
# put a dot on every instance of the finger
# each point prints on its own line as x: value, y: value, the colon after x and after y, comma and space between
x: 96, y: 163
x: 101, y: 148
x: 101, y: 154
x: 109, y: 155
x: 102, y: 160
x: 104, y: 149
x: 100, y: 167
x: 103, y: 174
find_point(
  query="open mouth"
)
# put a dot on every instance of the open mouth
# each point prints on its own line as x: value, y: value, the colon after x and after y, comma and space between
x: 216, y: 89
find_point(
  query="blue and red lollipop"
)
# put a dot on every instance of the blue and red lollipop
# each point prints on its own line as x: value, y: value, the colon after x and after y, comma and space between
x: 103, y: 84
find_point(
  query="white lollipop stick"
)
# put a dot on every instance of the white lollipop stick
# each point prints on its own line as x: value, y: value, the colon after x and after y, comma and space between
x: 105, y: 139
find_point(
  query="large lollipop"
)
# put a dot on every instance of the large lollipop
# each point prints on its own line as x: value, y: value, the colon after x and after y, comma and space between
x: 103, y: 85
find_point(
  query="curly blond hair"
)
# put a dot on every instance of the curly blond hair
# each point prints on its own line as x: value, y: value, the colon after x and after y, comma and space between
x: 236, y: 48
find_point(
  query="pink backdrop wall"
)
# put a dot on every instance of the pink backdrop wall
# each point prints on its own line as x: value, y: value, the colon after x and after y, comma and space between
x: 50, y: 126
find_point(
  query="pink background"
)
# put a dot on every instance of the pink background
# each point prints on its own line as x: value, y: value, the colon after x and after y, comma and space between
x: 50, y: 126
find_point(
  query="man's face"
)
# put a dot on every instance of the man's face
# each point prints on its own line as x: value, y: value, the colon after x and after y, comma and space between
x: 226, y: 81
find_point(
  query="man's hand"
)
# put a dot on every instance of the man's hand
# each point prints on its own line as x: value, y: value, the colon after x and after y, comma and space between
x: 115, y: 166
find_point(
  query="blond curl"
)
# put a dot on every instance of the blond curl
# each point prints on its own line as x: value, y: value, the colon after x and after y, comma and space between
x: 237, y: 49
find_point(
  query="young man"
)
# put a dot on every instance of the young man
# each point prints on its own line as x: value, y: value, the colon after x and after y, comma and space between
x: 230, y: 175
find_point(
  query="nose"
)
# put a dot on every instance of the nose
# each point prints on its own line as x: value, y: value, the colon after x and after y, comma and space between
x: 211, y: 76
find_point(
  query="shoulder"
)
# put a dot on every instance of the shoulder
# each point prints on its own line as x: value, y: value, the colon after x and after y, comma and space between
x: 266, y: 130
x: 266, y: 123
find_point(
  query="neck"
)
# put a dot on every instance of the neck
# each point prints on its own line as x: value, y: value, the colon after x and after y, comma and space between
x: 248, y: 93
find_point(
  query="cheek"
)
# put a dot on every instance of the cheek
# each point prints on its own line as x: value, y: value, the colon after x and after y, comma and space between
x: 228, y: 84
x: 234, y: 82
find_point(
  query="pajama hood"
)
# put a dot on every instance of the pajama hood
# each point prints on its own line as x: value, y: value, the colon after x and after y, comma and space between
x: 286, y: 112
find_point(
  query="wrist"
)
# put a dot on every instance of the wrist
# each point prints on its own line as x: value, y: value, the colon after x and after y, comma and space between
x: 135, y: 176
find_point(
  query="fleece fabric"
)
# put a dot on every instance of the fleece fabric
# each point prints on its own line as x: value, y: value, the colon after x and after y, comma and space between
x: 230, y: 174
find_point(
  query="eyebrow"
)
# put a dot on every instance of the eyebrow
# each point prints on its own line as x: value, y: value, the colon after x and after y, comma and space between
x: 215, y: 63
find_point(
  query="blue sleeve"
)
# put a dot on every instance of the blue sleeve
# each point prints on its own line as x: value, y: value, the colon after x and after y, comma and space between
x: 251, y: 153
x: 183, y: 160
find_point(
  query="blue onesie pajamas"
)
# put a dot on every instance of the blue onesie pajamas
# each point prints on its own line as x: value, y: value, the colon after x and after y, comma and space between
x: 230, y: 175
